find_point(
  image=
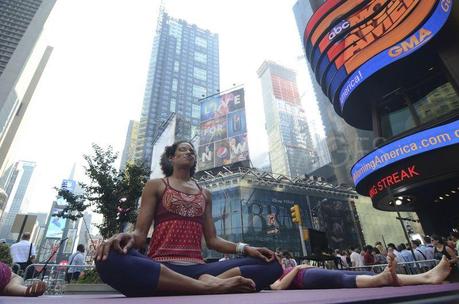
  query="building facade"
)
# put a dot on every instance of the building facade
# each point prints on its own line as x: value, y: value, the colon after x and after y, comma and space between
x: 184, y: 67
x: 21, y: 62
x: 290, y: 146
x: 130, y: 144
x: 396, y: 74
x: 16, y: 186
x: 254, y: 206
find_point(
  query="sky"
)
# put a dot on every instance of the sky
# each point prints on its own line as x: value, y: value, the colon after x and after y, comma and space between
x: 94, y: 81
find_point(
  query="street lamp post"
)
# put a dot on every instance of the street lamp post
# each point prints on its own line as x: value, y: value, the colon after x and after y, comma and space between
x: 397, y: 202
x: 242, y: 221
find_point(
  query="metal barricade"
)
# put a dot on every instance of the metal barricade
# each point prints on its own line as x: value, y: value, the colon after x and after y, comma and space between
x: 415, y: 267
x: 54, y: 276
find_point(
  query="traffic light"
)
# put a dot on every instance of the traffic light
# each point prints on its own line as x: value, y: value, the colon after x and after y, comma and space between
x: 296, y: 215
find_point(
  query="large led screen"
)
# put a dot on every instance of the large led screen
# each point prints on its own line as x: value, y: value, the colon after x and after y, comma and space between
x: 56, y: 225
x: 406, y: 147
x: 348, y: 41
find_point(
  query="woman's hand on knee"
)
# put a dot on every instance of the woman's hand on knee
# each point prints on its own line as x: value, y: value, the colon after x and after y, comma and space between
x: 121, y: 243
x: 260, y: 252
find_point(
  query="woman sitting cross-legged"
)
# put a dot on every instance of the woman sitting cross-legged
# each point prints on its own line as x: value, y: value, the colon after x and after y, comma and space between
x: 309, y: 277
x: 182, y: 214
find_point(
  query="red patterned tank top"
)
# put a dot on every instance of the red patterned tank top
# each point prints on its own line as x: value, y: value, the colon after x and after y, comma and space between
x: 178, y: 226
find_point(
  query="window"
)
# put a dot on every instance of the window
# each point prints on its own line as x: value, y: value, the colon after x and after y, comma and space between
x: 200, y: 73
x: 199, y: 92
x: 172, y: 105
x: 196, y: 111
x: 174, y: 85
x: 176, y: 66
x: 201, y: 42
x: 200, y: 57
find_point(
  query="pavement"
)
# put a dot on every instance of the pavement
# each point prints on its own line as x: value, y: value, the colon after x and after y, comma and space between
x: 408, y: 294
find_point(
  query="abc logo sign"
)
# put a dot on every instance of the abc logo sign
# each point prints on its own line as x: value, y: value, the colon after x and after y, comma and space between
x: 338, y: 29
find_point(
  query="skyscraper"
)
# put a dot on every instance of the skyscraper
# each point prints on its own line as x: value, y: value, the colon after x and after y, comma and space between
x: 184, y: 67
x: 345, y: 144
x: 290, y: 145
x: 130, y: 144
x: 17, y: 184
x: 21, y: 64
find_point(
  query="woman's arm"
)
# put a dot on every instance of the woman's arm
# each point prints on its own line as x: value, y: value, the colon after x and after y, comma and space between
x: 150, y: 195
x: 122, y: 242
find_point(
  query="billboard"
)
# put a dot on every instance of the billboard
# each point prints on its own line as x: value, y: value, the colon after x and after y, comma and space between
x: 223, y: 130
x: 409, y: 146
x: 56, y: 225
x: 348, y: 41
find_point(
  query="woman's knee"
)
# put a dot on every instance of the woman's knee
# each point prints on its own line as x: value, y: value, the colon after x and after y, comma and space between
x: 130, y: 274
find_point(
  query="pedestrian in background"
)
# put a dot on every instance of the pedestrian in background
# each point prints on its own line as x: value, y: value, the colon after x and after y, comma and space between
x: 23, y: 254
x: 76, y: 260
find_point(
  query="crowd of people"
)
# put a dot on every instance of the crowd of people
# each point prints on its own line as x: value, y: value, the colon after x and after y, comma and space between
x: 429, y: 248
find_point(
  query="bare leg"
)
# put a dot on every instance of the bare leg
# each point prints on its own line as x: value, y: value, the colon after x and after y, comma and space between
x: 434, y: 276
x: 172, y: 282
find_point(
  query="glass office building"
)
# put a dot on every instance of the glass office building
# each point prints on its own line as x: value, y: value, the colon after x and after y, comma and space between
x: 290, y: 146
x: 184, y: 67
x: 254, y: 207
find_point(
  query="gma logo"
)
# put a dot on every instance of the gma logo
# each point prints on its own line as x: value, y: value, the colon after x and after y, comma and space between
x: 410, y: 43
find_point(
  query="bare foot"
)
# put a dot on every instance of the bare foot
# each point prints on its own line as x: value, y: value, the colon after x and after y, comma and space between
x: 236, y: 284
x: 392, y: 268
x: 438, y: 274
x: 36, y: 289
x: 384, y: 278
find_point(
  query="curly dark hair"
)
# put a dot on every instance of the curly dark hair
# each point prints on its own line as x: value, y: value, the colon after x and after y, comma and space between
x: 169, y: 151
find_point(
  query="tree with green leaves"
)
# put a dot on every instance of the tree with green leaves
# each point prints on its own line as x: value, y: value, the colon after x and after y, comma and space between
x: 113, y: 193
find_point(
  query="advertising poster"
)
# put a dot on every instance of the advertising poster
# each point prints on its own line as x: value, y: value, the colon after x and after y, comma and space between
x: 222, y: 153
x: 56, y: 225
x: 212, y: 108
x: 335, y: 218
x: 223, y: 131
x: 213, y: 130
x: 206, y: 156
x: 239, y: 148
x: 236, y: 123
x: 70, y: 243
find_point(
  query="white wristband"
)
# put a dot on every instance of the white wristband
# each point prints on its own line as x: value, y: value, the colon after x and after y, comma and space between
x: 240, y: 248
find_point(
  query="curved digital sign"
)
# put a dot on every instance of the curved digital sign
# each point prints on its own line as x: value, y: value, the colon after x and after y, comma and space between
x: 415, y: 144
x: 348, y: 41
x: 397, y: 51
